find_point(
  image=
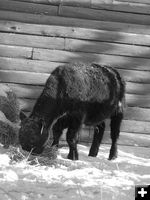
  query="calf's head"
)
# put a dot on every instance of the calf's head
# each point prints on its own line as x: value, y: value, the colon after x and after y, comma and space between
x: 33, y: 135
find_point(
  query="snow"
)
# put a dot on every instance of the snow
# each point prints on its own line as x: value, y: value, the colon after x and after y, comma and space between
x: 86, y: 179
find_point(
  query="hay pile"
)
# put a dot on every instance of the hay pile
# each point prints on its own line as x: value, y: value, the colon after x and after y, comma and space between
x: 8, y: 131
x: 9, y: 116
x: 9, y: 103
x: 47, y: 158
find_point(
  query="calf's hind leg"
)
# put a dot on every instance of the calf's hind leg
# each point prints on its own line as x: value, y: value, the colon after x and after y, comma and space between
x: 115, y: 131
x: 97, y: 138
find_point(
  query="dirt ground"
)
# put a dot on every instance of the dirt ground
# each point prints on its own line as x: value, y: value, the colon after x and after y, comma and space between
x: 86, y: 179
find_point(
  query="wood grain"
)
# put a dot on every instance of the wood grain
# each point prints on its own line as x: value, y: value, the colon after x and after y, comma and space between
x: 142, y: 38
x: 54, y: 58
x: 107, y: 48
x: 31, y: 41
x: 37, y: 66
x: 23, y: 77
x: 114, y: 5
x: 103, y: 15
x: 136, y: 1
x: 80, y: 3
x: 113, y: 60
x: 73, y: 22
x: 128, y: 7
x: 24, y: 7
x: 15, y: 51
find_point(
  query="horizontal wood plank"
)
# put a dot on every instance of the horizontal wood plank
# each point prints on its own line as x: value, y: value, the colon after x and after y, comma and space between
x: 28, y: 7
x: 78, y: 3
x: 75, y: 32
x: 106, y: 48
x: 138, y: 100
x: 74, y: 45
x: 15, y: 51
x: 121, y: 6
x: 23, y: 77
x: 73, y: 22
x: 37, y: 66
x: 103, y: 15
x: 116, y: 61
x: 31, y: 41
x: 135, y: 76
x: 137, y: 114
x: 55, y: 2
x: 67, y: 56
x: 135, y: 1
x: 115, y: 5
x: 56, y: 58
x: 137, y: 88
x: 84, y: 3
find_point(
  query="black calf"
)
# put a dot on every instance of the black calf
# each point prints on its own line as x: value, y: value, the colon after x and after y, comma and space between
x: 73, y: 95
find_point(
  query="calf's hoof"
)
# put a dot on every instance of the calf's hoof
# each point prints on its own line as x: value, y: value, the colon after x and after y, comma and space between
x: 113, y: 156
x: 73, y: 155
x: 92, y: 154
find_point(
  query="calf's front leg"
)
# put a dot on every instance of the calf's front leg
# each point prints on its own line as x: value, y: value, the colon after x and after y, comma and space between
x: 72, y: 139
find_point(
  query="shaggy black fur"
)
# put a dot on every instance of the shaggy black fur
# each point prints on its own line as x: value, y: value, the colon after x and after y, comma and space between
x: 76, y: 94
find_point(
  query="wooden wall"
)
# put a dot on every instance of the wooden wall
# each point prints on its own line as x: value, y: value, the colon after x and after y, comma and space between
x: 38, y: 35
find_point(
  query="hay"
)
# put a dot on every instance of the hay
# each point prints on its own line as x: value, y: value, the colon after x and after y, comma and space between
x: 8, y: 134
x: 47, y: 158
x: 9, y: 103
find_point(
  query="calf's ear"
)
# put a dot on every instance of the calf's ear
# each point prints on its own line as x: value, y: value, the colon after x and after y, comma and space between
x: 22, y: 115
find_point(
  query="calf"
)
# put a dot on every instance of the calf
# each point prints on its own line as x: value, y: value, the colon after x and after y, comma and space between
x: 76, y: 94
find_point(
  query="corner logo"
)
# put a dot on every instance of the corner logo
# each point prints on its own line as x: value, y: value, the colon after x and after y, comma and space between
x: 142, y: 192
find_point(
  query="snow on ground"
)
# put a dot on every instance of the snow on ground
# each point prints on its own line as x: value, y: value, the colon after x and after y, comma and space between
x: 86, y: 179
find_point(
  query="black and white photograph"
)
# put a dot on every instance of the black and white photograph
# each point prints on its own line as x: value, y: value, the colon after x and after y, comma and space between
x: 74, y: 99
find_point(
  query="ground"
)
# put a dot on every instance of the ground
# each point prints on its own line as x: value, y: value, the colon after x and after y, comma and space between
x: 86, y: 179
